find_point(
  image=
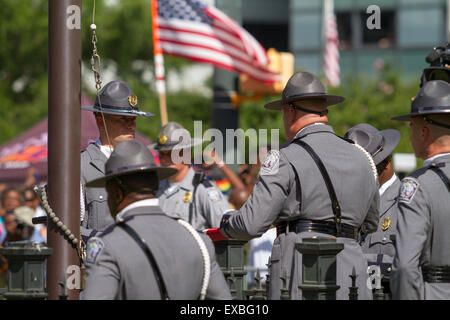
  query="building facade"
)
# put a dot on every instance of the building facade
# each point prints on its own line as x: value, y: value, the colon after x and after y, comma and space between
x: 409, y: 29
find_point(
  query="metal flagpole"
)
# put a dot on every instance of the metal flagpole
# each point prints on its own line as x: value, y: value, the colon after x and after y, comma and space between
x: 64, y: 138
x: 159, y: 65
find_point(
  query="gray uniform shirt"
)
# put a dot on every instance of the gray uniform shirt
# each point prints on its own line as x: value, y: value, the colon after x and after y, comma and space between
x: 208, y: 204
x: 423, y: 234
x: 277, y: 197
x: 97, y: 215
x: 377, y: 246
x: 117, y: 268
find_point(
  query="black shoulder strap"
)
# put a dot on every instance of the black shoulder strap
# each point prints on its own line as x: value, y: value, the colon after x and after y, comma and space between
x: 198, y: 178
x: 143, y: 244
x: 334, y: 202
x: 441, y: 174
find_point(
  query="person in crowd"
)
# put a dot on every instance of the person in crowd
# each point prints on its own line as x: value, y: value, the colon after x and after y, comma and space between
x: 147, y: 254
x: 115, y: 109
x: 378, y: 246
x: 307, y: 193
x: 186, y: 194
x: 421, y: 266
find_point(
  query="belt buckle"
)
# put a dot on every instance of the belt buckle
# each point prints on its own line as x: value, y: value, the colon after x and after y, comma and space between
x: 355, y: 234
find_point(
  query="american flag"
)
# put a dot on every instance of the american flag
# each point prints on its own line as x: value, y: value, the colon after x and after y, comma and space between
x: 331, y: 53
x: 191, y: 29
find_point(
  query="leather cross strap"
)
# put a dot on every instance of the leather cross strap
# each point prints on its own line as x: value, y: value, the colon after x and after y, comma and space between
x: 441, y: 174
x: 198, y: 177
x: 143, y: 244
x: 334, y: 201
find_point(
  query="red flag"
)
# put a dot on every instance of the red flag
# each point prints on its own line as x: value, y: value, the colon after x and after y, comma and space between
x: 191, y: 29
x: 331, y: 53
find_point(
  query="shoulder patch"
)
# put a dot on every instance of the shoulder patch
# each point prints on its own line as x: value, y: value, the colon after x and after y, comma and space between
x: 94, y: 247
x: 408, y: 189
x: 213, y: 194
x: 270, y: 165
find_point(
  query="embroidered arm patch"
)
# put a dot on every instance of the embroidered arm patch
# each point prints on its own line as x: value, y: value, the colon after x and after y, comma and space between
x: 271, y: 163
x: 213, y: 194
x: 408, y: 189
x: 94, y: 246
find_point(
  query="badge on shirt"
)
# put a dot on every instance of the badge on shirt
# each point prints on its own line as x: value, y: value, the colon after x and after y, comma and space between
x: 408, y: 190
x: 270, y: 165
x: 386, y: 223
x: 94, y: 246
x: 213, y: 194
x: 187, y: 196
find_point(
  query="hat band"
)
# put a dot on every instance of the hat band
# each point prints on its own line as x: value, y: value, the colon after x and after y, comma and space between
x: 106, y: 106
x: 320, y: 113
x: 379, y: 148
x: 303, y: 95
x: 425, y: 109
x: 129, y: 168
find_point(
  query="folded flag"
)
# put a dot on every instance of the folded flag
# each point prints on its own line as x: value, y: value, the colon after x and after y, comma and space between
x: 215, y: 234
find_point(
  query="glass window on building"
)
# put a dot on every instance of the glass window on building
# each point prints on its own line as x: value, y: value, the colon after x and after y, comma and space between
x: 421, y: 26
x: 385, y: 36
x: 305, y: 30
x: 274, y: 35
x: 344, y: 23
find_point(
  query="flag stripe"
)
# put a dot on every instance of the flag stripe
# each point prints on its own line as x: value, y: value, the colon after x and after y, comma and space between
x: 207, y: 42
x: 210, y: 56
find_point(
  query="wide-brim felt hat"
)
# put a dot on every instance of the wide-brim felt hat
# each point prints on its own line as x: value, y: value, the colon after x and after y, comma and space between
x: 432, y: 98
x: 303, y: 86
x: 379, y: 144
x: 130, y: 157
x: 173, y: 136
x: 117, y: 98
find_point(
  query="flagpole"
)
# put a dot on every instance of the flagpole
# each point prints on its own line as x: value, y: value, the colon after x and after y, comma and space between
x: 159, y: 66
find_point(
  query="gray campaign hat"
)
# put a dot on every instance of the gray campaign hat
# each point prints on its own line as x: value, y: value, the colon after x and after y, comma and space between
x: 432, y: 98
x: 174, y: 136
x: 117, y: 98
x: 301, y: 86
x: 379, y: 144
x: 128, y: 157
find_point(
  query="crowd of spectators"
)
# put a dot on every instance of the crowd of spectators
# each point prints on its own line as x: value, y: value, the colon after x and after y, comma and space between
x: 19, y: 204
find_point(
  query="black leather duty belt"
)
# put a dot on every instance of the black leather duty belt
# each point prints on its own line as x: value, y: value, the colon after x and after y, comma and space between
x: 436, y: 274
x: 297, y: 226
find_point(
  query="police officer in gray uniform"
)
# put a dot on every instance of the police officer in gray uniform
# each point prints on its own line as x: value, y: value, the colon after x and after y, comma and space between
x: 187, y: 194
x: 139, y: 256
x: 421, y: 268
x: 115, y: 111
x: 318, y: 184
x: 378, y: 247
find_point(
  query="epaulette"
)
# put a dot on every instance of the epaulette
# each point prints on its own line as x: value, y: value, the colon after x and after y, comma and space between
x: 108, y: 230
x: 416, y: 174
x: 206, y: 183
